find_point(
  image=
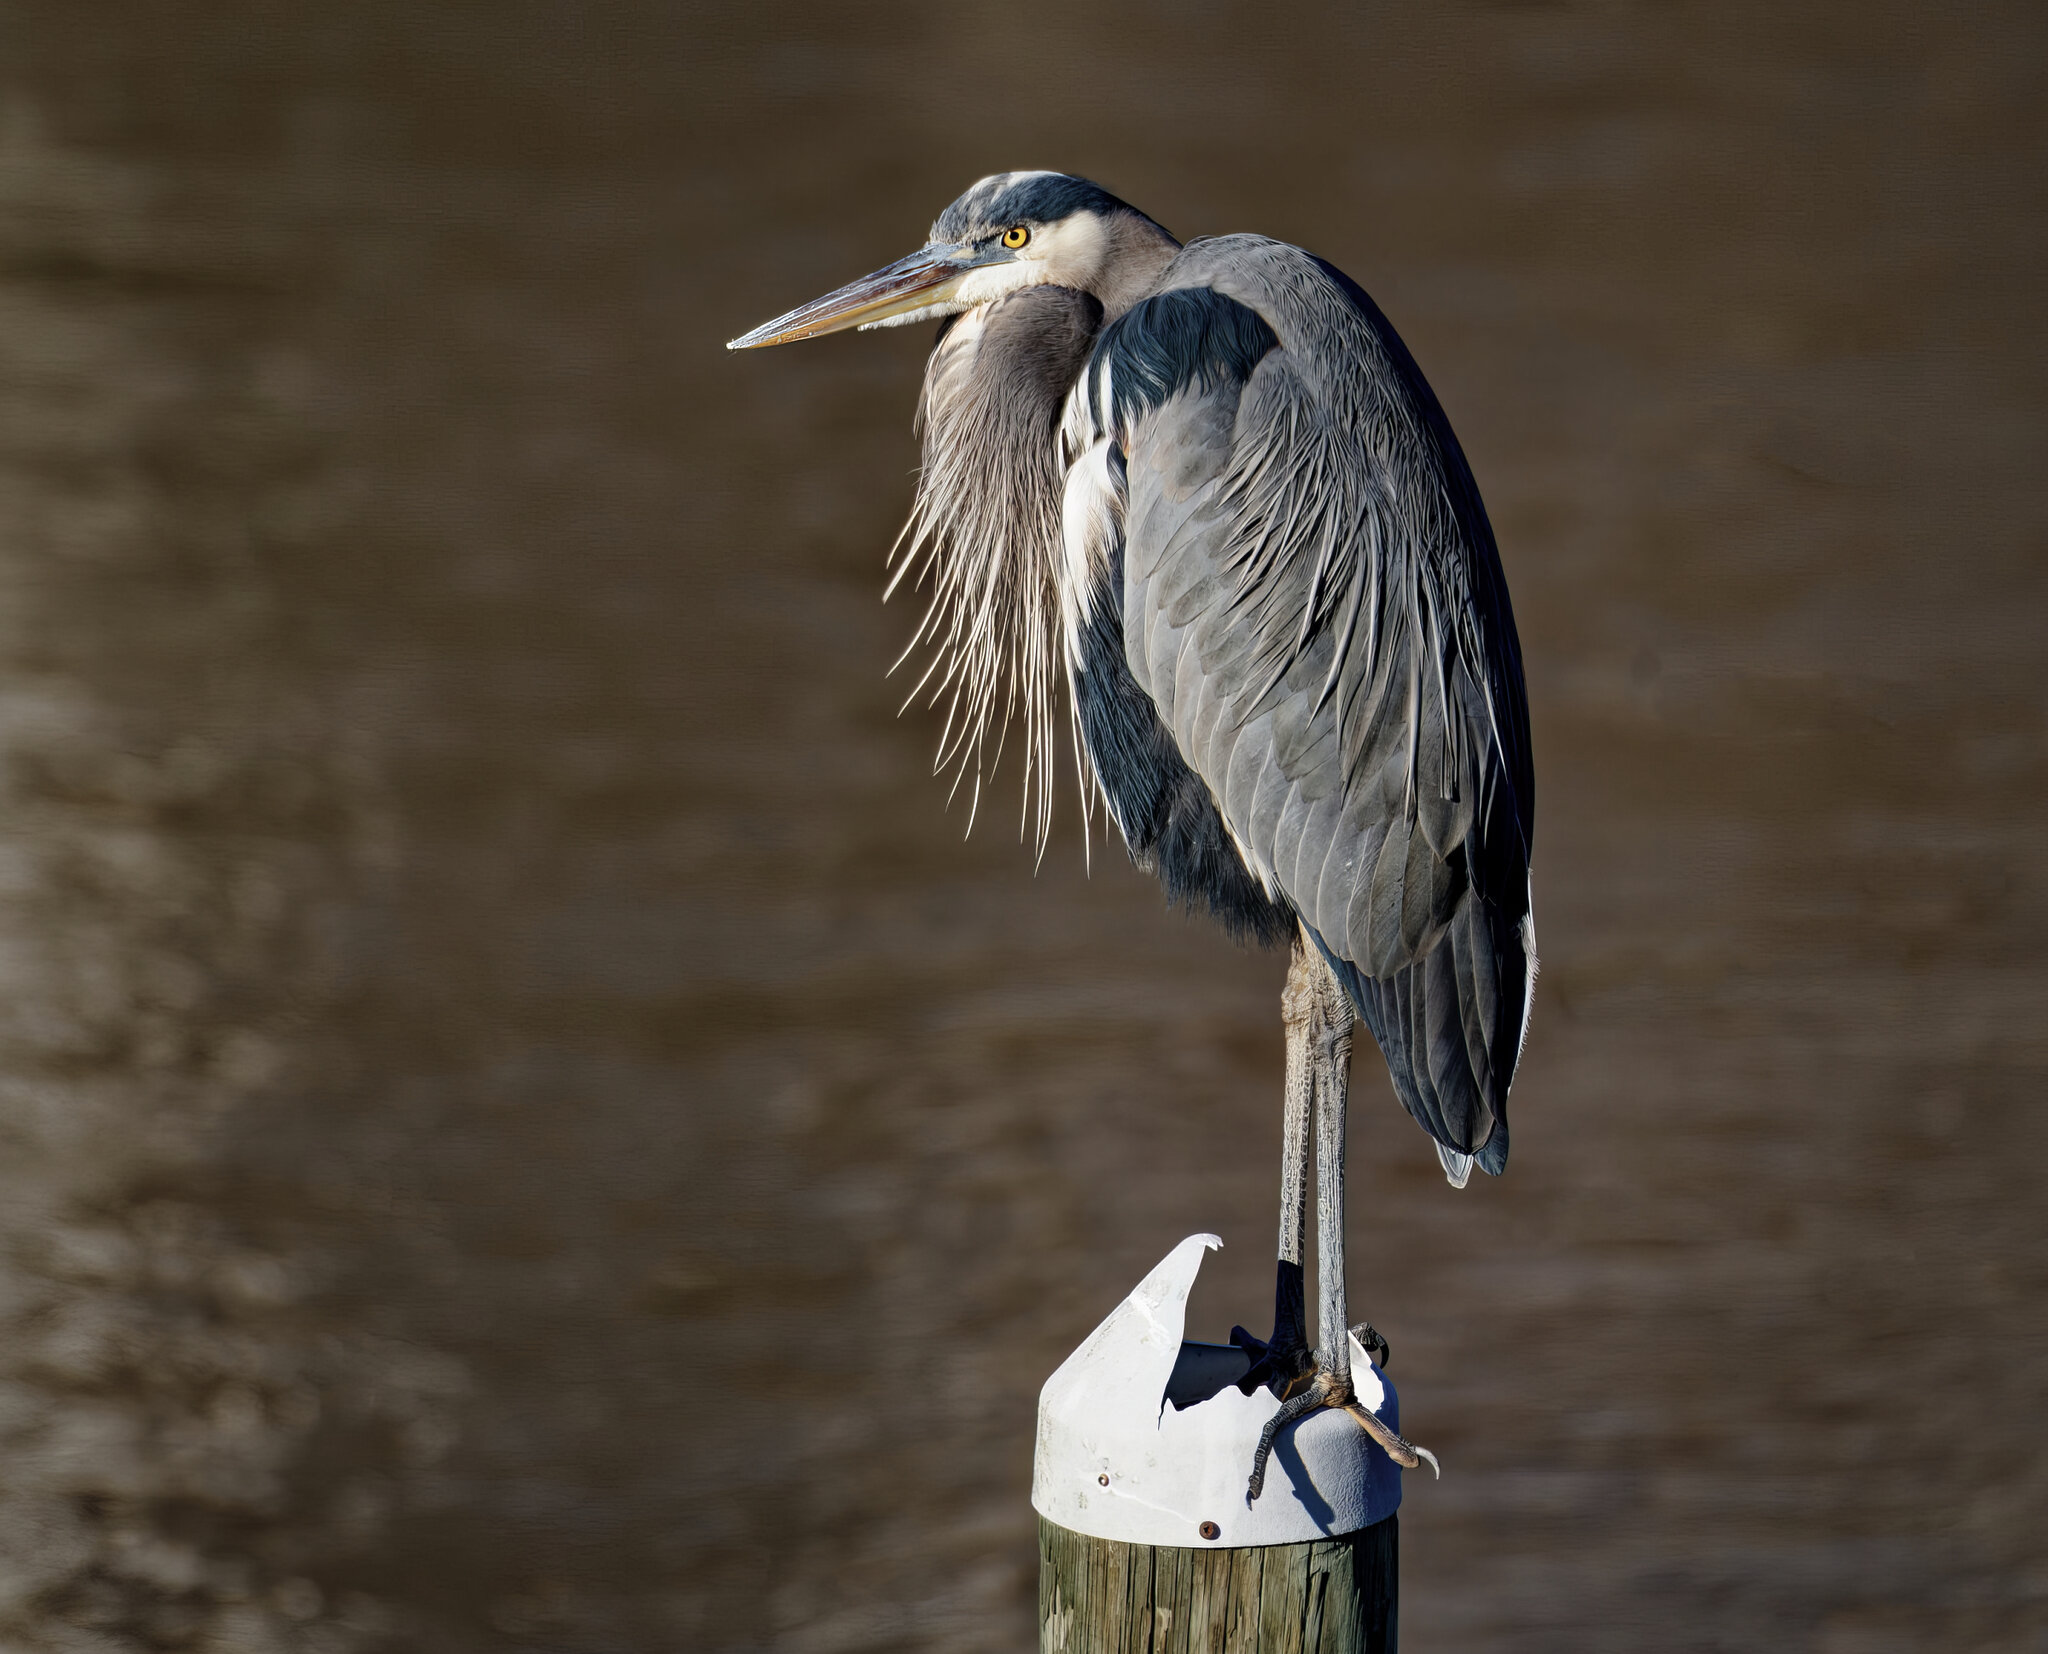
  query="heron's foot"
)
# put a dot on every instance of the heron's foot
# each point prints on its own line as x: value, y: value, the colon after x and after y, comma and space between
x: 1327, y: 1389
x: 1283, y: 1363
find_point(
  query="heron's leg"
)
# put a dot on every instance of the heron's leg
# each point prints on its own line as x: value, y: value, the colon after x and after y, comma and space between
x: 1330, y: 1060
x: 1283, y: 1363
x: 1327, y: 1050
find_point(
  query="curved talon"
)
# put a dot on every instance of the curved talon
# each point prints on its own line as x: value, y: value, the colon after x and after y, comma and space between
x: 1405, y: 1454
x: 1373, y: 1344
x: 1325, y: 1391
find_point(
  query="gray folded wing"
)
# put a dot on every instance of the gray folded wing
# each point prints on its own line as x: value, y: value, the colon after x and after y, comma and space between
x: 1313, y: 602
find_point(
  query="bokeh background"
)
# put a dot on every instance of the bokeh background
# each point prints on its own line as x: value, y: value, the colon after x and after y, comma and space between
x: 523, y: 1124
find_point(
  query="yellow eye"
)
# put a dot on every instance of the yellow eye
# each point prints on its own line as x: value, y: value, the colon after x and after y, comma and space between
x: 1015, y: 236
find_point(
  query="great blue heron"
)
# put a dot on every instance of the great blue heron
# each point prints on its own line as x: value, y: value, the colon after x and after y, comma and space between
x: 1209, y: 487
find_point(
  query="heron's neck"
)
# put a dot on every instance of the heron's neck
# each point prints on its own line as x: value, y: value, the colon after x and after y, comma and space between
x: 1137, y: 253
x: 984, y: 534
x: 994, y: 391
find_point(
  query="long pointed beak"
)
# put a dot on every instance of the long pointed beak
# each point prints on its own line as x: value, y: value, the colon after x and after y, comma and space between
x: 908, y: 284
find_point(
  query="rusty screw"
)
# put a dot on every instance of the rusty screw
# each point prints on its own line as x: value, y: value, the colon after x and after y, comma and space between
x: 1211, y: 1531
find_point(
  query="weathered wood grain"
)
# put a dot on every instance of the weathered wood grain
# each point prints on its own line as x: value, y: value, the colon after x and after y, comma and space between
x: 1335, y: 1596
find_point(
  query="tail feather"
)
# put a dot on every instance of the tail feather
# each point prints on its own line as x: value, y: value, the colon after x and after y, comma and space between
x: 1450, y: 1026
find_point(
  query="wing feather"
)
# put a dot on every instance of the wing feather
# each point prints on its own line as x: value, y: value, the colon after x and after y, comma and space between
x: 1313, y: 603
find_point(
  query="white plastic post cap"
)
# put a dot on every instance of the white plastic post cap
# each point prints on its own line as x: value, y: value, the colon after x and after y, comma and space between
x: 1118, y: 1460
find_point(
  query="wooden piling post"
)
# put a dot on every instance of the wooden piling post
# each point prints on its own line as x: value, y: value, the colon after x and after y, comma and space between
x: 1146, y: 1541
x: 1329, y: 1596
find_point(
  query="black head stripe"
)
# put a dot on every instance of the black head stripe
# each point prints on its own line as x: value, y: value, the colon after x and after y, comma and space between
x: 1035, y: 198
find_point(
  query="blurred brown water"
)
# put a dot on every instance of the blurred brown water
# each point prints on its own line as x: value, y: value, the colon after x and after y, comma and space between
x: 522, y: 1124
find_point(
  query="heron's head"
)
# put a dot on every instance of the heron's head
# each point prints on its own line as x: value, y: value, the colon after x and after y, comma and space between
x: 1012, y: 230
